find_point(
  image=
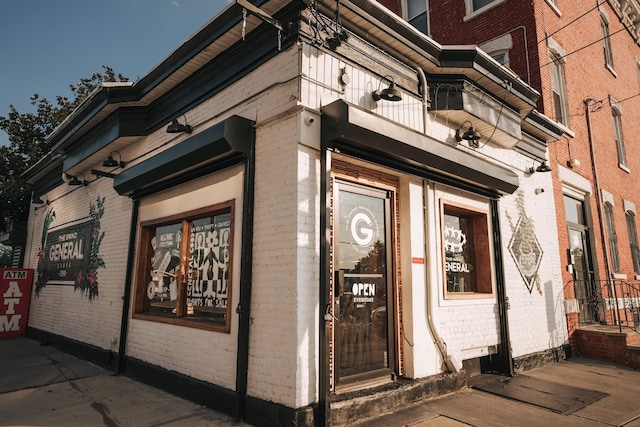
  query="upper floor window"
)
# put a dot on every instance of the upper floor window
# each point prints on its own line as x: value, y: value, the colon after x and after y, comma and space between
x: 633, y: 240
x: 417, y: 14
x: 606, y: 41
x: 613, y: 237
x: 559, y: 87
x: 479, y: 4
x: 617, y: 129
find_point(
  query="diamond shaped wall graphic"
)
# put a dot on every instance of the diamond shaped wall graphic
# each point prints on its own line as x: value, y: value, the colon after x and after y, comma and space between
x: 526, y: 251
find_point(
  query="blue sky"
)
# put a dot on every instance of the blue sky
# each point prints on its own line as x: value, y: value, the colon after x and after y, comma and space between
x: 47, y: 45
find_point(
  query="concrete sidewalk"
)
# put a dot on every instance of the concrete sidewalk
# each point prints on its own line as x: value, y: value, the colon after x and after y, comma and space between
x: 41, y: 386
x: 619, y: 406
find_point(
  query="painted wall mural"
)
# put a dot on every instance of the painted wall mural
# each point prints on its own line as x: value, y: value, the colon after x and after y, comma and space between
x: 524, y: 246
x: 71, y: 255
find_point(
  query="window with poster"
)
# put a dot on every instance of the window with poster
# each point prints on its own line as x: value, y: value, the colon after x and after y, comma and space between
x: 184, y: 268
x: 466, y: 251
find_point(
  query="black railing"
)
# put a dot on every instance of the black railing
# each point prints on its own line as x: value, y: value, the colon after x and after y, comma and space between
x: 613, y: 303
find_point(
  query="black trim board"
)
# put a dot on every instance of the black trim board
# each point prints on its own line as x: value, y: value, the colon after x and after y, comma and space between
x: 99, y: 356
x: 229, y: 139
x: 357, y: 131
x: 125, y: 122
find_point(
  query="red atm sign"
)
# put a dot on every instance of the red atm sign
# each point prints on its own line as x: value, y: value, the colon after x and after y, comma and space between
x: 15, y: 292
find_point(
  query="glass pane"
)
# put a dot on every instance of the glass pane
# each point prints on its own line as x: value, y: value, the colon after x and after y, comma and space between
x: 415, y: 8
x: 466, y: 246
x: 362, y: 329
x: 162, y: 289
x: 477, y: 4
x: 209, y: 262
x: 573, y: 210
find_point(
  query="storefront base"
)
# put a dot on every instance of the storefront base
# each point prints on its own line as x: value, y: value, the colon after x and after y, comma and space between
x: 541, y: 358
x: 347, y: 408
x: 106, y: 359
x: 256, y: 411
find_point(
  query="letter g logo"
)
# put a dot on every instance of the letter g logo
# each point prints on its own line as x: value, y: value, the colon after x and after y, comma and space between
x: 361, y: 229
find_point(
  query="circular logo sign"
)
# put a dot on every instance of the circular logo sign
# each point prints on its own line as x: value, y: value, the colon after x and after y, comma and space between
x: 362, y: 226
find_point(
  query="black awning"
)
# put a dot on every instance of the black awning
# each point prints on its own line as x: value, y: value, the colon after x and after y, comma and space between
x: 226, y: 143
x: 361, y: 133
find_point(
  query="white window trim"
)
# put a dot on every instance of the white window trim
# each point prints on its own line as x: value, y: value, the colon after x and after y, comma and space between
x: 616, y: 111
x: 473, y: 13
x: 556, y: 50
x: 554, y: 7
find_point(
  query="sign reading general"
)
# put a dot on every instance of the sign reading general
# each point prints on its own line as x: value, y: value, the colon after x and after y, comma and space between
x: 15, y: 292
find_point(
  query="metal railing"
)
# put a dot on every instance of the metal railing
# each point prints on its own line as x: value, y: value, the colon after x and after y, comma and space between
x: 607, y: 302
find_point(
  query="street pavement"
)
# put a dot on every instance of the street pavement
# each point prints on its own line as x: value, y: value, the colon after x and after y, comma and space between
x: 41, y: 386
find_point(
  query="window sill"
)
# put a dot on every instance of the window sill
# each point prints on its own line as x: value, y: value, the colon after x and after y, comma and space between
x: 457, y: 296
x: 183, y: 322
x: 554, y: 8
x: 611, y: 70
x: 471, y: 15
x: 566, y: 130
x: 619, y: 276
x: 624, y: 168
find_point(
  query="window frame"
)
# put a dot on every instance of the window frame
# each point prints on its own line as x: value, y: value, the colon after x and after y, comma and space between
x: 483, y: 277
x: 632, y: 231
x: 618, y: 134
x: 559, y: 89
x: 612, y: 238
x: 472, y: 11
x: 417, y: 17
x: 147, y: 229
x: 606, y: 41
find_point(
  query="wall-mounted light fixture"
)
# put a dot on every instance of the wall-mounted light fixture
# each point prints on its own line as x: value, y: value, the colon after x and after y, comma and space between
x: 75, y: 181
x: 544, y: 167
x: 176, y: 127
x: 98, y: 172
x: 388, y: 94
x: 471, y: 135
x: 42, y: 200
x: 113, y: 163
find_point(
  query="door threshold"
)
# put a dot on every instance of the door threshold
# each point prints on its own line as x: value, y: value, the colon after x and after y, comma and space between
x: 363, y: 384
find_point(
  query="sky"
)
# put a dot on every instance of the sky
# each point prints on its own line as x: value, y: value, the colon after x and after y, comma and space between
x: 47, y: 45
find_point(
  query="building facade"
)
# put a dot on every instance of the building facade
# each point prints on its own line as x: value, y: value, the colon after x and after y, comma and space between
x: 300, y: 211
x: 583, y: 58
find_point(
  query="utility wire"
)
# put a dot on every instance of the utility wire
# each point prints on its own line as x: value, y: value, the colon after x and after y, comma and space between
x: 570, y: 23
x: 584, y: 47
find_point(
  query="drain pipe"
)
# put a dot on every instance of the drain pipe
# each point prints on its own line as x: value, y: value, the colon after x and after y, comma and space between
x: 452, y: 364
x: 126, y: 298
x: 325, y: 315
x: 246, y: 271
x: 501, y: 290
x: 596, y: 184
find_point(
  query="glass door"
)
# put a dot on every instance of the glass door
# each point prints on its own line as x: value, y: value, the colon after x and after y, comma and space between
x: 363, y: 294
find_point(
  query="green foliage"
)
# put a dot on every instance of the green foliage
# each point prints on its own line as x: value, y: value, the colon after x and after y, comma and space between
x: 27, y: 134
x: 5, y: 256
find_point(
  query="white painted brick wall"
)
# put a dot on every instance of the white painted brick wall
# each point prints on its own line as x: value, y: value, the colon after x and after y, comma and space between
x: 60, y: 309
x: 536, y: 320
x: 284, y: 312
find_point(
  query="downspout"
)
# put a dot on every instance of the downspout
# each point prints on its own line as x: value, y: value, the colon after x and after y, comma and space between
x: 596, y: 185
x: 325, y: 315
x: 246, y: 271
x: 503, y: 300
x: 126, y: 298
x: 451, y: 363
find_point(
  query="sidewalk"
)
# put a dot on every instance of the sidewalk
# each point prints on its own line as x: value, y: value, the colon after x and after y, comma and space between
x: 41, y: 386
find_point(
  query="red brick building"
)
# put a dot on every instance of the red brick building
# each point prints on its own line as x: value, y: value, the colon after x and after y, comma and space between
x: 583, y: 58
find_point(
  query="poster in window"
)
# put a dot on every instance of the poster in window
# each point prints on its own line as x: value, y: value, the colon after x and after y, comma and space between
x: 207, y: 284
